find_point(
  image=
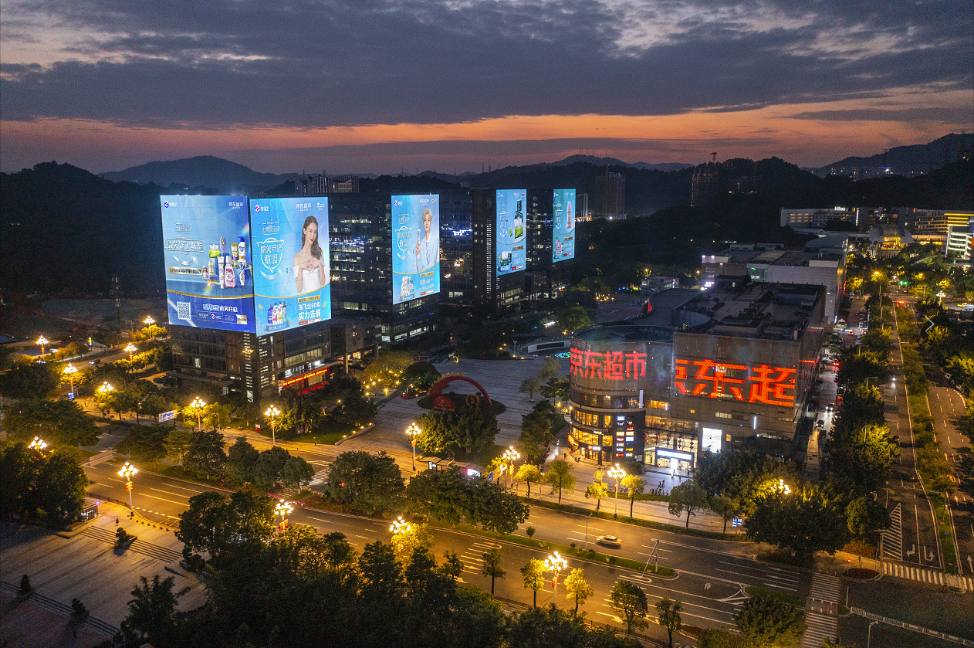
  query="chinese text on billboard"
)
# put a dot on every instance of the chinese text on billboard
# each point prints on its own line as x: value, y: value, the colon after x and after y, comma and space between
x: 761, y: 384
x: 209, y: 279
x: 292, y: 273
x: 416, y: 247
x: 511, y: 230
x: 611, y: 365
x: 563, y: 212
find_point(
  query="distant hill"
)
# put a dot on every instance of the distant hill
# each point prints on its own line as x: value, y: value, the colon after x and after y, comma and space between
x: 607, y: 161
x: 906, y: 160
x: 201, y: 171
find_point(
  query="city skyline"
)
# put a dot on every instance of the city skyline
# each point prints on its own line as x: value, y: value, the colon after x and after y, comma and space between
x: 377, y: 87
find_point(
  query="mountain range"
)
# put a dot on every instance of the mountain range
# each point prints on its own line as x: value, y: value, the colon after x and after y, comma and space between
x: 908, y: 160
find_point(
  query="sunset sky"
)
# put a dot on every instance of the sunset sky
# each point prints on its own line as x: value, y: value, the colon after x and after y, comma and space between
x: 371, y: 86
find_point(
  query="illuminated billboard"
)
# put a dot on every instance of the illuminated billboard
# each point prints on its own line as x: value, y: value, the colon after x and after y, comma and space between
x: 209, y: 279
x: 292, y: 271
x: 563, y: 212
x: 416, y: 247
x: 511, y: 230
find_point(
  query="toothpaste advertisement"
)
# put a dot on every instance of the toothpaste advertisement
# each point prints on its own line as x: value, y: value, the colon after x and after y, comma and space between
x: 563, y: 212
x: 209, y: 277
x: 416, y: 247
x: 511, y: 231
x: 292, y: 271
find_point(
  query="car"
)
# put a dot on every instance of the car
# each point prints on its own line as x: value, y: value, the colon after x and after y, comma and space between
x: 609, y: 541
x: 820, y: 423
x: 829, y: 407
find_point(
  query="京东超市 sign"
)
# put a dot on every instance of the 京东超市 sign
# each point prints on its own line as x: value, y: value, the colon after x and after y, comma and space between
x: 761, y: 384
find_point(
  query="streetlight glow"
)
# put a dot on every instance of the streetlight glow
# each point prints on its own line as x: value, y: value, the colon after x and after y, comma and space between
x: 272, y: 413
x: 510, y: 456
x: 130, y: 349
x: 149, y: 321
x: 555, y: 563
x: 37, y: 444
x: 127, y: 472
x: 412, y: 432
x: 199, y: 405
x: 43, y: 342
x: 616, y: 473
x: 70, y: 371
x: 399, y: 526
x: 283, y: 509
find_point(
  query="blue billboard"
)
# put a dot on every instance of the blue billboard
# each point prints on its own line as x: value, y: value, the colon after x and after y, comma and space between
x: 511, y: 231
x: 563, y: 212
x: 416, y: 247
x: 292, y: 270
x: 209, y: 280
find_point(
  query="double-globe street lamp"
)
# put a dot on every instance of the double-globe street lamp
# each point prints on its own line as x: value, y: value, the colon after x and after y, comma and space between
x: 42, y: 341
x: 106, y: 389
x: 38, y: 444
x: 70, y: 371
x: 127, y: 472
x: 130, y: 349
x: 413, y: 432
x: 198, y: 404
x: 272, y: 413
x: 283, y: 509
x: 510, y: 456
x: 555, y: 563
x: 616, y: 473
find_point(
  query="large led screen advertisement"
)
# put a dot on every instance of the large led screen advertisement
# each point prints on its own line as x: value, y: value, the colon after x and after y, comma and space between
x: 511, y: 230
x: 416, y: 247
x: 563, y: 211
x: 292, y: 272
x: 209, y: 279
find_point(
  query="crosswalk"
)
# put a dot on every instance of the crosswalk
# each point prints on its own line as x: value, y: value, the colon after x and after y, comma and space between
x: 138, y: 546
x: 928, y: 576
x: 822, y: 620
x: 892, y: 538
x: 473, y: 557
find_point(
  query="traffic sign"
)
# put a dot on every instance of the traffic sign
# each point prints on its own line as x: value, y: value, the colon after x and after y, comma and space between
x: 167, y: 416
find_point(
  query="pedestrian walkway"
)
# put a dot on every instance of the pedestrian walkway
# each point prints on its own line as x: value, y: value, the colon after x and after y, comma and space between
x: 931, y: 576
x: 822, y: 611
x: 909, y: 626
x: 892, y: 538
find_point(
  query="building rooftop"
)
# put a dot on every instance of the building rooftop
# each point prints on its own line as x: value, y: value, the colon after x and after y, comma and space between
x: 778, y: 257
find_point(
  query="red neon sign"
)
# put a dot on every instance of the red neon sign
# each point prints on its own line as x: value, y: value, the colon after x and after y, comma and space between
x: 762, y: 384
x: 611, y: 365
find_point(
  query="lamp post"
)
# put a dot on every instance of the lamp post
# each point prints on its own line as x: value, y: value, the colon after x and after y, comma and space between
x: 510, y: 456
x: 272, y: 413
x: 127, y: 472
x: 412, y: 432
x: 38, y: 444
x: 106, y: 389
x: 555, y: 563
x: 782, y: 487
x: 940, y: 298
x: 869, y: 635
x: 43, y: 342
x: 149, y: 321
x: 70, y: 371
x: 130, y: 349
x: 616, y: 473
x: 199, y: 405
x: 283, y: 509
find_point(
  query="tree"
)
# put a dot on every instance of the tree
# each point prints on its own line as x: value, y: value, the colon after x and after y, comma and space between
x: 177, y: 444
x: 577, y: 588
x: 46, y: 488
x: 30, y: 380
x: 205, y: 455
x: 414, y: 537
x: 865, y: 515
x: 241, y: 460
x: 634, y: 485
x: 668, y: 615
x: 861, y: 406
x: 530, y: 385
x: 452, y: 565
x: 495, y: 509
x: 56, y: 421
x: 687, y: 497
x: 573, y: 318
x: 725, y: 507
x: 538, y: 428
x: 442, y: 495
x: 371, y: 484
x: 862, y: 460
x: 597, y: 490
x: 741, y: 475
x: 765, y: 620
x: 206, y: 526
x: 152, y: 609
x: 556, y: 389
x: 533, y: 574
x: 493, y: 566
x: 550, y: 368
x: 528, y: 473
x: 421, y: 375
x: 297, y: 473
x: 722, y: 639
x: 387, y: 368
x: 269, y: 468
x: 470, y: 429
x: 630, y: 601
x: 807, y: 520
x: 560, y: 477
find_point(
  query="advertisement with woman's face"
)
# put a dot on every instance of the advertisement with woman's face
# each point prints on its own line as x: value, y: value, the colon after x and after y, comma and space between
x: 209, y: 279
x: 292, y: 272
x: 563, y: 211
x: 416, y: 247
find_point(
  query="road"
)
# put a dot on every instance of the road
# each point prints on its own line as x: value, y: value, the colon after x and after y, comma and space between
x: 711, y: 575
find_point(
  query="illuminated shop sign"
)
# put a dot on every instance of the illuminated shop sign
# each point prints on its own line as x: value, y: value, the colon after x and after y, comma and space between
x: 761, y: 384
x: 672, y: 454
x: 611, y: 365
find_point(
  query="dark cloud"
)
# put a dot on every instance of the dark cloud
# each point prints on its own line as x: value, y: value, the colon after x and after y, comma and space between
x: 316, y: 64
x: 948, y: 115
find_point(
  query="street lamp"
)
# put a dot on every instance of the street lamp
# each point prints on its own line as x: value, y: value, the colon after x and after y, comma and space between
x: 70, y: 371
x: 127, y: 472
x: 199, y: 405
x: 940, y: 298
x: 272, y: 413
x: 283, y: 509
x: 149, y: 321
x: 43, y: 342
x: 38, y: 445
x: 782, y: 487
x: 106, y: 389
x: 412, y: 432
x: 510, y: 456
x: 555, y: 563
x: 869, y: 636
x: 616, y: 473
x: 400, y: 526
x: 130, y: 349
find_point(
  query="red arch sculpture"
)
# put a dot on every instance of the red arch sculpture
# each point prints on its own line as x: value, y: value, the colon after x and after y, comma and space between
x: 441, y: 402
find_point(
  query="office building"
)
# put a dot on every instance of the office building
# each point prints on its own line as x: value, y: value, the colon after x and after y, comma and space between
x: 610, y: 196
x: 703, y: 185
x: 730, y: 367
x: 931, y: 225
x: 959, y: 241
x: 814, y: 219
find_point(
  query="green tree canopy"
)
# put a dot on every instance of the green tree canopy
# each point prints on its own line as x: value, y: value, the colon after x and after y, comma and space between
x: 808, y: 519
x: 55, y: 421
x: 766, y: 620
x: 371, y: 483
x: 560, y: 477
x: 45, y: 487
x: 688, y: 497
x: 630, y: 601
x: 205, y: 455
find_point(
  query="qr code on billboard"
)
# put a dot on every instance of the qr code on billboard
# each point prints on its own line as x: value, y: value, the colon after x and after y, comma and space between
x: 183, y: 312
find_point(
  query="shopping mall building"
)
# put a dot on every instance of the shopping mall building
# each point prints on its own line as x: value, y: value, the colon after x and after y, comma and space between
x: 703, y: 370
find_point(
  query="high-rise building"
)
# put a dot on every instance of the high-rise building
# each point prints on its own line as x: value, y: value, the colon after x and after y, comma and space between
x: 703, y: 186
x: 343, y: 184
x: 610, y: 196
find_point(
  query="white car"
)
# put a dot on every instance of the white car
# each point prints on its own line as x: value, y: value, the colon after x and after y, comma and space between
x: 609, y: 541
